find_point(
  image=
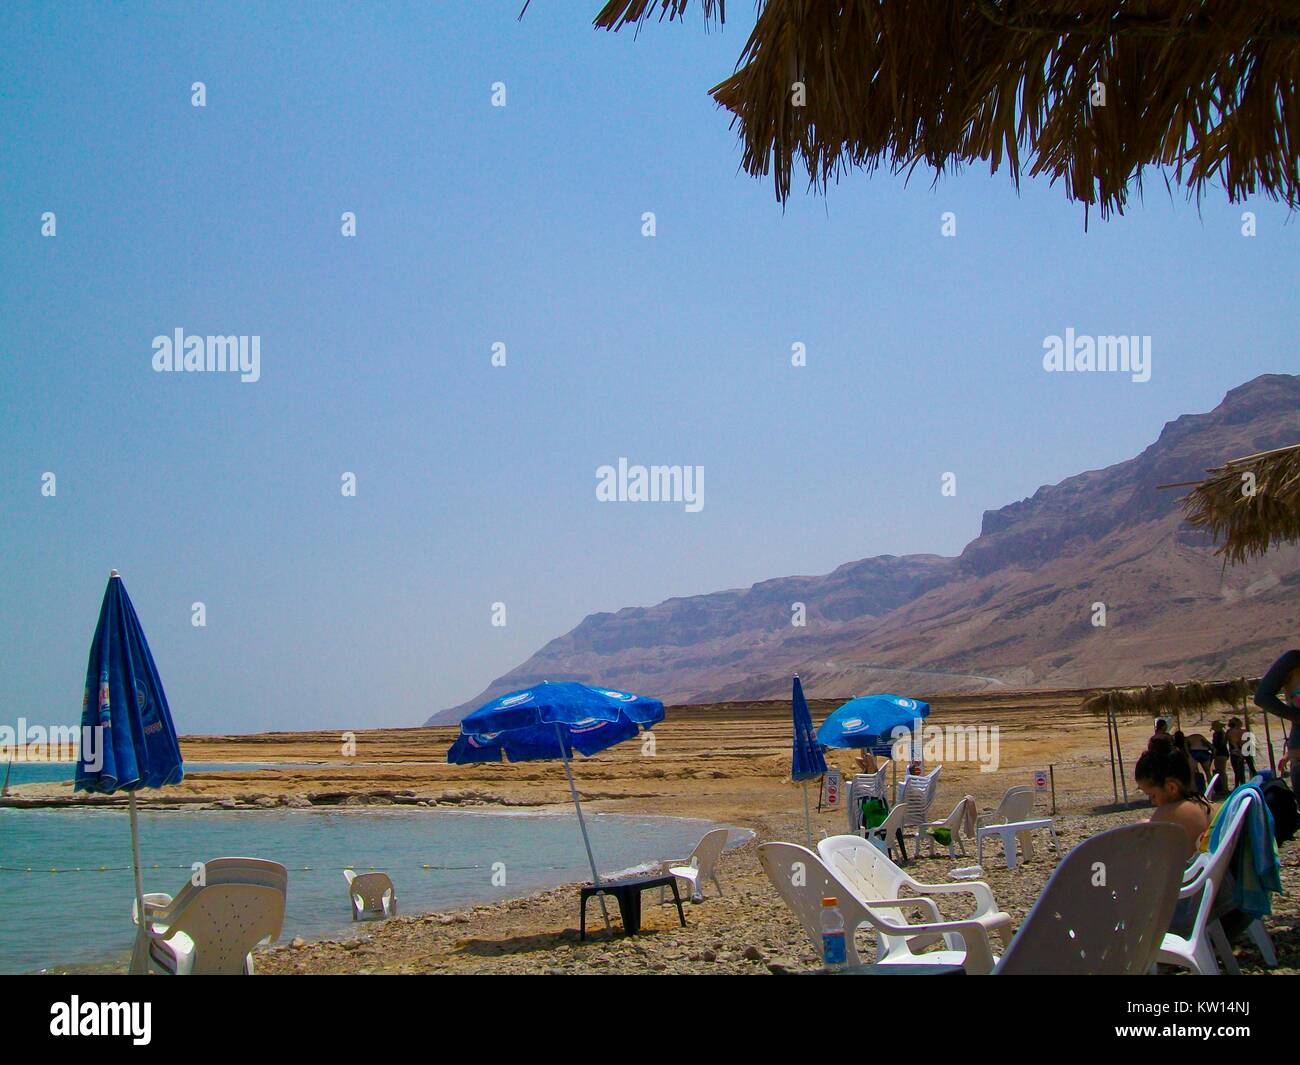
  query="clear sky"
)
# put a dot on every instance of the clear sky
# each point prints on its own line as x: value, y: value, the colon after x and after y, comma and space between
x: 520, y: 224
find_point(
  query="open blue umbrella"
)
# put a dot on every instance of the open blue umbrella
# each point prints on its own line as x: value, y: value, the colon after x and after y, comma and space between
x: 870, y: 721
x: 128, y: 740
x: 550, y: 721
x: 806, y: 760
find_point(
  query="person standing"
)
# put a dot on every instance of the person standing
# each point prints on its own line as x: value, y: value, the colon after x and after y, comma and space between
x: 1278, y: 693
x: 1236, y: 739
x: 1219, y: 743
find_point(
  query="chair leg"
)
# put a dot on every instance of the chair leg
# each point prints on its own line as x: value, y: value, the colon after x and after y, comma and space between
x: 717, y: 884
x: 1263, y: 943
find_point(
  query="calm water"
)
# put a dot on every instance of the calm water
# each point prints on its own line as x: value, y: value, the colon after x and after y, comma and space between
x: 69, y: 917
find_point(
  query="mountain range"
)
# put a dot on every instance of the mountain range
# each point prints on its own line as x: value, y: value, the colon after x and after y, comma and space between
x: 1019, y: 607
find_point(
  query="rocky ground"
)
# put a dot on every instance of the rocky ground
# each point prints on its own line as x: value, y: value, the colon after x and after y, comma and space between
x: 728, y: 763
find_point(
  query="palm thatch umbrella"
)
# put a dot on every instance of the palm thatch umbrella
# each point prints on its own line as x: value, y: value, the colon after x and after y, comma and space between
x: 1250, y: 504
x: 1088, y: 92
x: 1174, y: 699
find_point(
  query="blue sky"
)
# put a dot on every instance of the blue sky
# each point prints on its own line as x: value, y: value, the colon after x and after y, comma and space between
x: 522, y: 224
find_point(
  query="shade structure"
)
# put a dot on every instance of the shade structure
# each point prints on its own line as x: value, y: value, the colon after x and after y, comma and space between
x: 550, y: 721
x: 1249, y: 504
x: 128, y: 739
x: 807, y: 761
x: 870, y: 721
x: 1086, y: 94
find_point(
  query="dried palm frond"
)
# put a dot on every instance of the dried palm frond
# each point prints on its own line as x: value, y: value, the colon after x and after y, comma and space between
x: 1087, y: 92
x: 1250, y: 504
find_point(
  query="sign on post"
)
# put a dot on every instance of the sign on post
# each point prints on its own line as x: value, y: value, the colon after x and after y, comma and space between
x: 1040, y: 780
x: 833, y: 788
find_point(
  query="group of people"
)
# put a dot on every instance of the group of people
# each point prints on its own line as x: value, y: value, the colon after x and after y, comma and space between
x: 1227, y: 746
x: 1174, y: 770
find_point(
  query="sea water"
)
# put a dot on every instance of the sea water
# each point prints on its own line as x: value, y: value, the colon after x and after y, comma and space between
x: 438, y: 859
x: 65, y: 772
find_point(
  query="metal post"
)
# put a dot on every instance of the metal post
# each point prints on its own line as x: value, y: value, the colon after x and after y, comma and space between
x: 1051, y: 772
x: 139, y: 952
x: 807, y: 818
x: 582, y: 824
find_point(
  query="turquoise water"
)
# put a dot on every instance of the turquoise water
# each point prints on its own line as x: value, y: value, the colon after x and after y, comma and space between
x: 84, y: 918
x: 54, y: 772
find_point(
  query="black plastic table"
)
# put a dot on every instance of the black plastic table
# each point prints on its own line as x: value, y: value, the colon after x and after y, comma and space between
x: 628, y: 894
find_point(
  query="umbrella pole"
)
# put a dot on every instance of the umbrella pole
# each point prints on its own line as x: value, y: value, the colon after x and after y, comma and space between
x: 138, y: 952
x: 582, y: 824
x: 807, y: 817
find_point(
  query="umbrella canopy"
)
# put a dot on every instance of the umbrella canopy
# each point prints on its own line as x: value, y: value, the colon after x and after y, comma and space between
x: 124, y: 699
x: 136, y: 743
x: 1206, y: 89
x: 807, y: 760
x: 551, y: 721
x: 870, y: 720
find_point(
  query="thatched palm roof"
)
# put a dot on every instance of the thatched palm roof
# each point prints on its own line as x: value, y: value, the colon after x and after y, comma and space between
x: 1173, y: 698
x: 1206, y: 89
x: 1251, y: 503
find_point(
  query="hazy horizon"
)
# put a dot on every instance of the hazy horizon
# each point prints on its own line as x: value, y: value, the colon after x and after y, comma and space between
x: 477, y: 484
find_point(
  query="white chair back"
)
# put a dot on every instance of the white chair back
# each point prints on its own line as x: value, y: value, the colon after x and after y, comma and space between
x: 1105, y: 909
x: 802, y: 880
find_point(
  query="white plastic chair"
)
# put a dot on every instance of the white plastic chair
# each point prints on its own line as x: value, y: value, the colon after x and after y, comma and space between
x: 1016, y: 805
x: 1202, y: 879
x: 1106, y: 907
x: 371, y: 894
x: 954, y: 823
x: 214, y: 930
x: 888, y: 834
x: 876, y: 877
x: 700, y: 866
x: 916, y: 795
x: 865, y: 786
x: 159, y: 906
x: 1212, y: 787
x: 802, y: 880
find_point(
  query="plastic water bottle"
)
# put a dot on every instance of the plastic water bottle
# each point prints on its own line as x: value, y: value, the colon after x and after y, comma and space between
x: 833, y: 946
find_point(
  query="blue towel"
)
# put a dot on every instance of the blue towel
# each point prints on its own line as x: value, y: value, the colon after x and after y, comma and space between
x: 1256, y: 872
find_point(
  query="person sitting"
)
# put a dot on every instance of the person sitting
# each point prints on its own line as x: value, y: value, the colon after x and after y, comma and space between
x: 1162, y: 730
x: 867, y: 761
x: 1164, y: 774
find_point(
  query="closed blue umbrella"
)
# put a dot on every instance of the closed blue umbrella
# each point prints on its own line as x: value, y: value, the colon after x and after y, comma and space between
x: 132, y: 742
x: 550, y: 721
x: 806, y: 760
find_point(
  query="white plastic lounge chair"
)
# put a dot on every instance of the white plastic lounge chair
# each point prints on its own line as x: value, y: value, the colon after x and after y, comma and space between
x: 962, y: 815
x: 802, y: 880
x: 1016, y: 805
x: 1202, y: 879
x: 866, y: 867
x: 159, y: 906
x: 371, y: 894
x: 1088, y: 926
x: 214, y: 930
x: 865, y: 786
x: 700, y: 866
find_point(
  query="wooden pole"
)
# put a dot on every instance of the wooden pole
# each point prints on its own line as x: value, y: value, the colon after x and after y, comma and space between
x: 1110, y: 742
x: 1119, y: 753
x: 1051, y: 772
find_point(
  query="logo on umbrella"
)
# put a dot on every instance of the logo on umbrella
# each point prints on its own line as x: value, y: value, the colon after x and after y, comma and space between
x: 622, y: 697
x: 515, y: 700
x: 587, y: 724
x: 854, y: 724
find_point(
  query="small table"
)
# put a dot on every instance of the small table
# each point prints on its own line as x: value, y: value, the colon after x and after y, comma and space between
x: 628, y: 894
x: 1009, y: 833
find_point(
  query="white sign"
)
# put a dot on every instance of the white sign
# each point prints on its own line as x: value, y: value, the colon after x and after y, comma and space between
x: 1040, y: 780
x: 832, y: 788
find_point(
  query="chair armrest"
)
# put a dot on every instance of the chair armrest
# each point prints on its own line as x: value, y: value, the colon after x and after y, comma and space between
x: 156, y: 904
x: 926, y: 905
x: 979, y: 955
x: 984, y: 900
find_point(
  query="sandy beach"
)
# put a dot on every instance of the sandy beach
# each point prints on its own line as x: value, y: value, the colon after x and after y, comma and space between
x: 727, y: 763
